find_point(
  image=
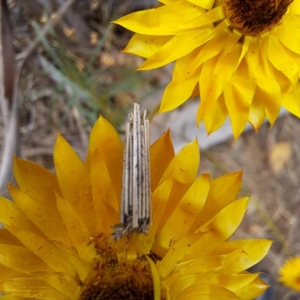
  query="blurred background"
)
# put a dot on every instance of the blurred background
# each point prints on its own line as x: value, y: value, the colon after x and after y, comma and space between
x: 71, y: 70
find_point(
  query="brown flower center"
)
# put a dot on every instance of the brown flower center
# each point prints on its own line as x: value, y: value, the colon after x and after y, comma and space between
x: 114, y: 280
x: 298, y: 281
x: 254, y: 17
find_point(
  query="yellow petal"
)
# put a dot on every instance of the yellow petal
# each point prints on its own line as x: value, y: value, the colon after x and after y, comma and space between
x: 292, y: 102
x: 84, y: 270
x: 253, y: 251
x: 289, y: 33
x: 30, y: 288
x: 227, y: 219
x: 252, y: 289
x: 284, y: 82
x: 11, y: 216
x: 190, y: 39
x: 74, y: 181
x: 216, y: 73
x: 184, y: 166
x: 106, y: 140
x: 206, y: 292
x: 77, y: 230
x: 43, y: 215
x: 35, y: 180
x: 205, y: 264
x: 160, y: 198
x: 216, y: 117
x: 183, y: 83
x: 45, y: 250
x: 187, y: 71
x: 182, y: 170
x: 163, y: 20
x: 207, y: 4
x: 181, y: 219
x: 64, y: 283
x: 238, y: 94
x: 217, y: 230
x: 8, y: 273
x: 167, y: 1
x: 161, y: 153
x: 223, y: 191
x: 270, y: 94
x: 22, y: 228
x: 231, y: 282
x: 145, y: 45
x: 156, y: 279
x: 9, y: 297
x: 159, y: 201
x: 22, y: 260
x: 281, y: 61
x: 209, y: 17
x: 295, y: 7
x: 7, y: 238
x: 294, y: 56
x: 172, y: 257
x: 106, y: 200
x: 257, y: 113
x: 289, y: 273
x: 252, y: 55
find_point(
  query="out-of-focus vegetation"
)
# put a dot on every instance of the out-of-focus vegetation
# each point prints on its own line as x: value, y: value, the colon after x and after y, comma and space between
x: 77, y: 67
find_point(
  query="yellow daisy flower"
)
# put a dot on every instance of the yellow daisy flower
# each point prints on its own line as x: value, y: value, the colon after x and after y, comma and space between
x: 290, y: 273
x: 57, y: 241
x: 242, y: 57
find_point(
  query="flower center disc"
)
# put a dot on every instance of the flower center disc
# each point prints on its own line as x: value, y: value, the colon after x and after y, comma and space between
x: 254, y: 17
x: 118, y: 281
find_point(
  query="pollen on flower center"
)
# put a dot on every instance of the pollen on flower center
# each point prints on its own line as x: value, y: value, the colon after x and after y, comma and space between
x: 118, y: 280
x: 255, y: 17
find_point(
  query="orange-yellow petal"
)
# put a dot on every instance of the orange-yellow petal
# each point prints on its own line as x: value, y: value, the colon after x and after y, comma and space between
x: 145, y: 45
x: 104, y: 138
x: 238, y: 94
x: 8, y: 273
x: 22, y: 260
x: 37, y: 181
x: 43, y: 215
x: 252, y: 290
x: 105, y: 198
x: 30, y: 288
x: 252, y: 252
x: 74, y: 181
x: 206, y: 292
x: 163, y: 20
x: 77, y: 230
x: 161, y: 154
x: 7, y: 238
x: 169, y: 52
x: 181, y: 219
x: 292, y: 102
x: 217, y: 116
x: 218, y: 229
x: 223, y: 191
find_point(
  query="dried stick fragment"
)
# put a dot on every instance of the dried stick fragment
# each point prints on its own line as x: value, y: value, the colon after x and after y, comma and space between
x: 7, y: 96
x: 136, y: 192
